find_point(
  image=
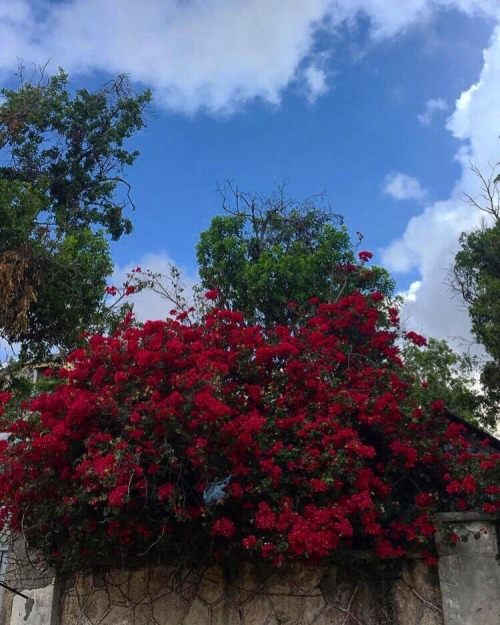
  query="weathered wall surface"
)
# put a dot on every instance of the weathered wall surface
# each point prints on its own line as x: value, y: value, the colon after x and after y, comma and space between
x: 400, y: 593
x: 406, y: 592
x: 38, y: 604
x: 469, y: 573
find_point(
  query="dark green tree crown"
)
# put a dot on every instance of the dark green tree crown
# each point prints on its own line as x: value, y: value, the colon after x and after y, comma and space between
x: 62, y: 157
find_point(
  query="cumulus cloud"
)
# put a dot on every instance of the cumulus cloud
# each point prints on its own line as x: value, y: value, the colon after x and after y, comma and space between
x: 431, y: 107
x: 411, y: 294
x: 212, y: 55
x: 209, y: 54
x: 430, y: 240
x: 403, y: 187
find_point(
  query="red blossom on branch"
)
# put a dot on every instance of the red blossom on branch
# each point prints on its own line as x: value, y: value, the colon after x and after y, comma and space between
x: 212, y: 294
x: 416, y: 339
x: 365, y: 256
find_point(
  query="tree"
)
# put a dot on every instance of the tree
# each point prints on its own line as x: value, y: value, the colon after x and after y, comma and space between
x: 270, y: 256
x: 268, y: 251
x: 63, y: 158
x: 436, y: 371
x: 476, y: 278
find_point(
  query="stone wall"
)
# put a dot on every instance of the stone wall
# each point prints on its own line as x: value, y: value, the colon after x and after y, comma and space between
x: 463, y: 590
x: 399, y: 593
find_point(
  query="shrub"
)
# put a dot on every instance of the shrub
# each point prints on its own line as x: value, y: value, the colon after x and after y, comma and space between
x: 194, y: 442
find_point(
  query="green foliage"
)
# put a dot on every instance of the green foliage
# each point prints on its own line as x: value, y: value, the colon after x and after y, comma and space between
x: 477, y: 265
x: 267, y: 252
x: 438, y: 372
x: 71, y: 299
x: 63, y: 158
x: 476, y: 277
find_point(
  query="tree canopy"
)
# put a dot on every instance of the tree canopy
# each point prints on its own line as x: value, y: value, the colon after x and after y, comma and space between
x: 476, y: 277
x: 436, y: 371
x: 266, y: 252
x: 62, y: 156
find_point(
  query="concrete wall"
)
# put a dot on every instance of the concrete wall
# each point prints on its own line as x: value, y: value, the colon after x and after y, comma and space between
x: 38, y: 601
x: 469, y: 573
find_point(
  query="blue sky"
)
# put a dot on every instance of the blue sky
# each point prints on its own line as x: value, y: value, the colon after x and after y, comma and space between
x: 377, y: 105
x: 343, y: 144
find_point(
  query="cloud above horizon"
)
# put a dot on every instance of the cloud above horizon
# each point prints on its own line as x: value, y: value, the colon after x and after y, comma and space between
x: 431, y: 107
x: 212, y: 55
x: 430, y: 240
x: 403, y: 187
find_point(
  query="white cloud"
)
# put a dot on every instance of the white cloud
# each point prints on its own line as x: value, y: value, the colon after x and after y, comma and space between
x: 431, y: 238
x: 411, y: 294
x: 213, y: 55
x: 431, y: 107
x: 403, y: 187
x: 316, y: 82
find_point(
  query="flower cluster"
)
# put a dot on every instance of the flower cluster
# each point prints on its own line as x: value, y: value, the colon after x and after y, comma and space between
x: 218, y: 439
x: 365, y: 256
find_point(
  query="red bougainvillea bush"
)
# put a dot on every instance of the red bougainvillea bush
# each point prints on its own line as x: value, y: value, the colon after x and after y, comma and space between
x: 188, y: 442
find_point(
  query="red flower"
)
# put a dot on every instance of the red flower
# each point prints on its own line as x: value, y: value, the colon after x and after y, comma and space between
x: 318, y: 486
x: 267, y: 549
x: 117, y: 496
x: 223, y: 527
x: 212, y: 294
x: 365, y: 256
x: 469, y: 484
x: 437, y: 406
x: 165, y: 491
x: 416, y: 339
x: 249, y: 542
x: 424, y: 525
x: 135, y: 417
x: 425, y: 500
x: 453, y: 488
x: 386, y: 550
x: 489, y: 508
x: 429, y: 559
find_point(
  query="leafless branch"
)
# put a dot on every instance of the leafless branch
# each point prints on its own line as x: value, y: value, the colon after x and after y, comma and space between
x: 488, y: 200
